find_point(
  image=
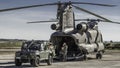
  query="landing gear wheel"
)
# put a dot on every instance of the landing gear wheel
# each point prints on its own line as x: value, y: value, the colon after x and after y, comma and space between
x: 85, y: 57
x: 17, y: 62
x: 63, y: 57
x: 50, y: 60
x: 35, y: 62
x: 98, y: 56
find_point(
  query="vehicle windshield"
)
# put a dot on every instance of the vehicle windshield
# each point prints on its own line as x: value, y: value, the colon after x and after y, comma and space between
x: 25, y: 45
x: 35, y: 46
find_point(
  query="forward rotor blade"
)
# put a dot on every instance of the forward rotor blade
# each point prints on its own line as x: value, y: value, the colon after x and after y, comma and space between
x: 89, y: 12
x: 42, y: 21
x: 24, y: 7
x: 107, y: 5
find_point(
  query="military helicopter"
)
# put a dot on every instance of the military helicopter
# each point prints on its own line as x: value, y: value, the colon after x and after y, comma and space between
x: 83, y: 38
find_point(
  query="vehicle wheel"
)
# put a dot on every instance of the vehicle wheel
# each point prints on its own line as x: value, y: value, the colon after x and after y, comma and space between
x: 17, y: 62
x: 35, y: 62
x: 31, y: 62
x: 99, y: 56
x: 50, y: 60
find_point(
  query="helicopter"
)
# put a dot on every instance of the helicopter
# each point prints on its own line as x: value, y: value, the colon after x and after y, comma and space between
x: 83, y: 38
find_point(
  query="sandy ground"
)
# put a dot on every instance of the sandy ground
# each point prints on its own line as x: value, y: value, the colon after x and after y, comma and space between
x: 111, y: 59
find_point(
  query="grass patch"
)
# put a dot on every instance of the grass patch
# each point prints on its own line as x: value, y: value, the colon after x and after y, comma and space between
x: 10, y: 44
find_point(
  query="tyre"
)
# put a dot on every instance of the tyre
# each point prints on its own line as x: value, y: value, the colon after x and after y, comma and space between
x: 99, y: 56
x: 35, y: 62
x: 85, y: 57
x: 31, y: 62
x: 50, y: 59
x: 17, y: 62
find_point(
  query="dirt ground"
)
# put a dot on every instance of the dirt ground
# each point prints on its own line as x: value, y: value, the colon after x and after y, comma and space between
x: 111, y: 59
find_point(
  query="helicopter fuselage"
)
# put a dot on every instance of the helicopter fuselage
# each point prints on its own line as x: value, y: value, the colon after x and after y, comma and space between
x: 83, y: 39
x: 79, y: 43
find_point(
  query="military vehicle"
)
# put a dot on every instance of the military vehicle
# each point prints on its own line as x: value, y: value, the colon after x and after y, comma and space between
x: 34, y: 52
x: 83, y: 38
x: 112, y: 45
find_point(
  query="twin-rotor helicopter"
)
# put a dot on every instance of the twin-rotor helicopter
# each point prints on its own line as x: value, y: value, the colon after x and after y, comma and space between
x: 82, y: 38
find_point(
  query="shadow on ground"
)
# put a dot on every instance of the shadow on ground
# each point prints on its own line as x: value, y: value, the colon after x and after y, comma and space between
x: 24, y: 65
x: 27, y: 65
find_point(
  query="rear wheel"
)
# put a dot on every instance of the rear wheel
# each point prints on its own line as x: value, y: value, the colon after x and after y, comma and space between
x: 50, y: 59
x: 99, y: 55
x: 35, y: 62
x: 17, y: 62
x: 63, y: 57
x: 85, y: 57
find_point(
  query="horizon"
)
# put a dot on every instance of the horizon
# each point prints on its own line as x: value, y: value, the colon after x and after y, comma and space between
x: 13, y: 23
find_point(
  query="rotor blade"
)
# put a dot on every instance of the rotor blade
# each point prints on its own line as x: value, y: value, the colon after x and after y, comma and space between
x: 96, y: 20
x: 81, y: 19
x: 42, y: 21
x: 24, y: 7
x: 115, y: 22
x: 89, y: 20
x: 93, y: 4
x: 89, y: 12
x: 110, y: 22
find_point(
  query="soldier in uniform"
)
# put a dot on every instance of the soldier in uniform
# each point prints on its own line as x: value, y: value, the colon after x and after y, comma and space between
x: 63, y: 52
x: 51, y: 48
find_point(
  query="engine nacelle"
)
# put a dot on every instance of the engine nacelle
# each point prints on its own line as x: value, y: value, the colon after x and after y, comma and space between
x: 82, y: 26
x: 54, y: 26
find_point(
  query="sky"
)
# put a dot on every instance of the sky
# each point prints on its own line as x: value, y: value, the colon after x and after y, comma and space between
x: 13, y: 24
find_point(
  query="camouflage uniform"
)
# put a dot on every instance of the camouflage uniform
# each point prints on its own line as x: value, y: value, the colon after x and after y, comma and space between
x: 51, y: 48
x: 64, y: 52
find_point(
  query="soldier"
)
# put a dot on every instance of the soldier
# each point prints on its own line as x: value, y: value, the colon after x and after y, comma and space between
x: 64, y: 51
x: 51, y: 48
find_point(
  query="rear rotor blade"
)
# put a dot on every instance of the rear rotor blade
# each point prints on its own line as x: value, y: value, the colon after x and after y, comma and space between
x: 42, y: 21
x: 98, y: 20
x: 89, y: 12
x: 24, y: 7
